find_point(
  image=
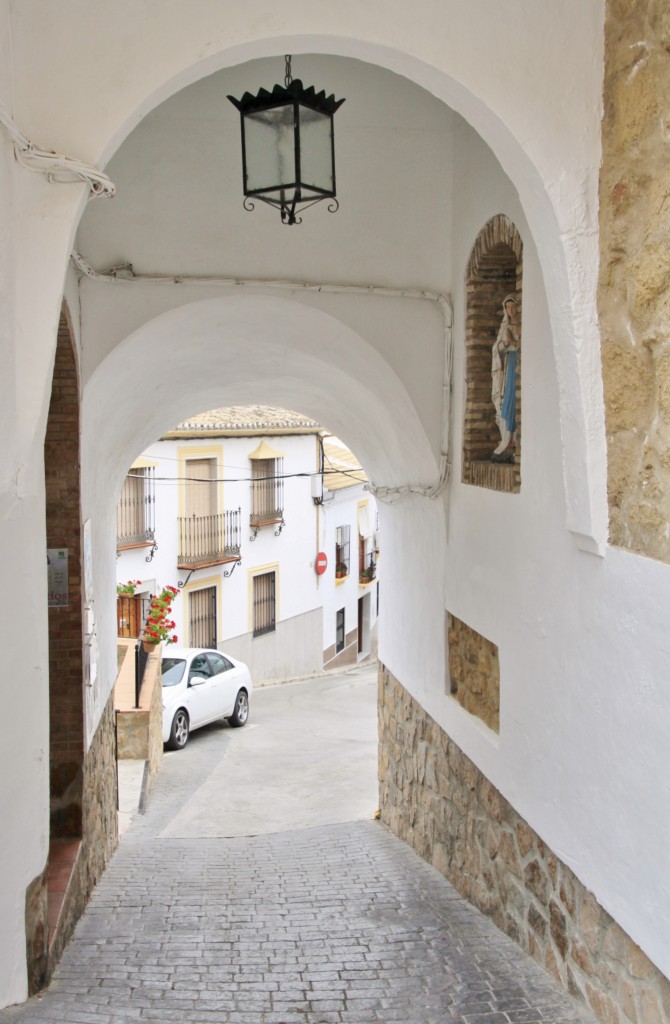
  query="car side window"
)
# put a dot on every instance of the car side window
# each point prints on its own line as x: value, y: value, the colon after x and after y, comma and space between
x: 200, y: 667
x: 218, y: 663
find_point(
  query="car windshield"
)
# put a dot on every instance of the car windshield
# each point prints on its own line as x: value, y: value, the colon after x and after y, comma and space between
x: 173, y: 670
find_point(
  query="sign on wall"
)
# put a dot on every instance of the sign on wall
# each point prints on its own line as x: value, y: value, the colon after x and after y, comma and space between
x: 57, y: 577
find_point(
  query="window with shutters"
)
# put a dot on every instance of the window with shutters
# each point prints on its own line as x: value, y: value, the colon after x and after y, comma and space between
x: 267, y: 492
x: 264, y: 603
x: 339, y: 631
x: 342, y: 551
x: 202, y: 617
x: 267, y: 488
x: 367, y: 566
x: 135, y: 523
x: 206, y: 535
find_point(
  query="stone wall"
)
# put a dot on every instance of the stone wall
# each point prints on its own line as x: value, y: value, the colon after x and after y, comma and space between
x: 100, y: 828
x: 474, y: 672
x: 139, y: 731
x: 634, y: 289
x: 437, y: 800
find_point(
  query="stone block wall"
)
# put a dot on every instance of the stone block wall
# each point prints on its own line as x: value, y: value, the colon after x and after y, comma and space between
x: 100, y: 831
x: 634, y: 286
x: 474, y: 672
x: 139, y: 731
x: 436, y: 799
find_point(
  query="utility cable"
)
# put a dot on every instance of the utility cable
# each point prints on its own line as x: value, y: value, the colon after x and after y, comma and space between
x: 124, y: 273
x: 59, y: 170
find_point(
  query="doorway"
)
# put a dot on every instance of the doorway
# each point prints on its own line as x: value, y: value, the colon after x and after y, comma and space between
x: 363, y: 626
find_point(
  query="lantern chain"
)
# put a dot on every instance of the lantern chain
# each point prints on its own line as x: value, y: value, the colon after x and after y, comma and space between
x: 287, y: 77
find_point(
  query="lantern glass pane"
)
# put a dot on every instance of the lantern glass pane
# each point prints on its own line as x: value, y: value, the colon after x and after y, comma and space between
x: 270, y: 148
x: 316, y: 150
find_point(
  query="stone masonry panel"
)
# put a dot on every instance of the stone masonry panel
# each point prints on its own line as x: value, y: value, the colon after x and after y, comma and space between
x: 474, y: 672
x: 437, y: 800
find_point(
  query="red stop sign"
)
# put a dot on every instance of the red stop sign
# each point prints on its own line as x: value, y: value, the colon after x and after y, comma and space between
x: 321, y: 563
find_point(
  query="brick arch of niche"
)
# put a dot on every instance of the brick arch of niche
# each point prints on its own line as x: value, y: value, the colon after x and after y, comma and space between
x: 63, y: 515
x: 494, y: 270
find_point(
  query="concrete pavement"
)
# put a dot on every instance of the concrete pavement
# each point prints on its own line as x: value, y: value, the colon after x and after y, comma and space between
x: 201, y: 918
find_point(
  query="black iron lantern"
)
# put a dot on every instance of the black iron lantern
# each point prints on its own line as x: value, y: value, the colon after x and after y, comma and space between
x: 288, y: 147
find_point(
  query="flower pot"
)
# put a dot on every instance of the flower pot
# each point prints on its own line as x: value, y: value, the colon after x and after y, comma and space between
x: 149, y: 646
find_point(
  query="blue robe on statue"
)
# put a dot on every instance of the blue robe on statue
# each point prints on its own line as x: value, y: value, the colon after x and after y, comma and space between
x: 508, y: 409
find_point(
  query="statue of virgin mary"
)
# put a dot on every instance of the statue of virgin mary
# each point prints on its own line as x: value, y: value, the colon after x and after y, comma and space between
x: 503, y: 377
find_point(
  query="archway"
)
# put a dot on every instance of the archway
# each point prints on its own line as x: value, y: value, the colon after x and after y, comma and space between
x: 262, y: 349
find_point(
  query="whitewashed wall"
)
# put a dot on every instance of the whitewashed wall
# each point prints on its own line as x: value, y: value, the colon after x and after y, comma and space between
x: 341, y: 509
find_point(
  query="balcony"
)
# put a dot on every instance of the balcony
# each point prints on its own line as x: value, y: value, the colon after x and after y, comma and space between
x: 267, y: 491
x: 208, y: 540
x: 135, y: 511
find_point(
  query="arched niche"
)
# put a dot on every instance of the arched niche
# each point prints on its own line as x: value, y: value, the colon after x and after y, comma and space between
x: 494, y: 272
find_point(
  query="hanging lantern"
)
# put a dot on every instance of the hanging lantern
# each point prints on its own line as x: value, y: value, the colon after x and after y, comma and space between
x: 288, y: 148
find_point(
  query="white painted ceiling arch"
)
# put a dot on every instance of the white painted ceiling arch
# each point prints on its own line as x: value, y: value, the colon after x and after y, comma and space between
x: 538, y: 113
x: 241, y: 350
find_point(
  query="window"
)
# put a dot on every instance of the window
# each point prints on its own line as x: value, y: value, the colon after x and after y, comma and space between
x: 342, y: 551
x: 266, y: 491
x: 200, y: 487
x: 367, y: 568
x: 264, y: 603
x: 202, y: 617
x: 219, y: 663
x: 339, y: 631
x: 135, y: 511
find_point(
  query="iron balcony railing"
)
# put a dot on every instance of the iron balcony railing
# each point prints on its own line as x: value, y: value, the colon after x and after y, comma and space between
x: 209, y: 540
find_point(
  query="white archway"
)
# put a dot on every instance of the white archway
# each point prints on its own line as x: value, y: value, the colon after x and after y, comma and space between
x: 567, y: 253
x: 242, y: 350
x: 544, y: 130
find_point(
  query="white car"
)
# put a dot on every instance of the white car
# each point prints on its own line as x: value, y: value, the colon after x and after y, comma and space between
x: 200, y: 686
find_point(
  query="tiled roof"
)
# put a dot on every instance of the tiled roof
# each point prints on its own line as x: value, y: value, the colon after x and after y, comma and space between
x: 265, y: 418
x: 341, y: 468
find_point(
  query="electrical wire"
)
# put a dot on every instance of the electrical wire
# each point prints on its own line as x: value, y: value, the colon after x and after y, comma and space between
x: 389, y: 495
x: 59, y: 169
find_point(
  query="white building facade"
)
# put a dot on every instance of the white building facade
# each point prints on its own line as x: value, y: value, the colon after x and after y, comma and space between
x: 223, y: 508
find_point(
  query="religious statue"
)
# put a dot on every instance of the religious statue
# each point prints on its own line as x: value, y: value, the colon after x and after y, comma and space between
x: 503, y: 378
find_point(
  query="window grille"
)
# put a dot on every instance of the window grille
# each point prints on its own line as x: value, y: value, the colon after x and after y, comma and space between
x: 135, y: 522
x: 264, y: 603
x: 202, y: 617
x: 342, y: 550
x: 339, y: 631
x: 267, y: 491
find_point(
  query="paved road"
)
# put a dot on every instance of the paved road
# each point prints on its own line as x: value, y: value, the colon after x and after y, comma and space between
x: 201, y: 918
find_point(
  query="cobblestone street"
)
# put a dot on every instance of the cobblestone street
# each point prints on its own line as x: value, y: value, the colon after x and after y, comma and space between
x: 334, y: 923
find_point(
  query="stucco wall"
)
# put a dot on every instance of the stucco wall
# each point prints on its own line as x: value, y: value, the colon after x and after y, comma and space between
x: 293, y: 649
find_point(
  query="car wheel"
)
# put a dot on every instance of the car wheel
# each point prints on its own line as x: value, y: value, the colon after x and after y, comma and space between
x: 178, y: 731
x: 241, y: 713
